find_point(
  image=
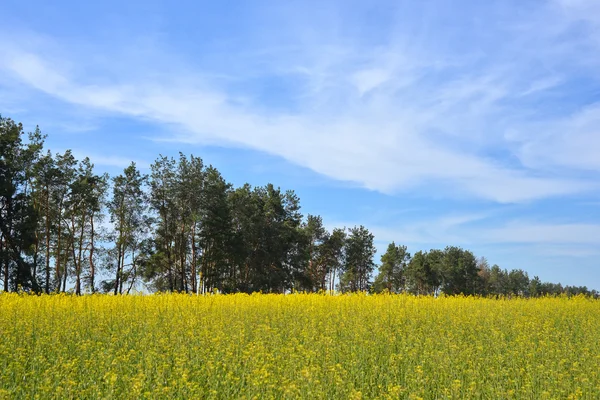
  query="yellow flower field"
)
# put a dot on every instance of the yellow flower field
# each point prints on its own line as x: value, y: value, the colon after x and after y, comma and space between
x: 298, y: 346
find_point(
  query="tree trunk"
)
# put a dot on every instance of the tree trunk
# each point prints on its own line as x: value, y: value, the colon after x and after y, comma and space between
x: 193, y: 266
x: 122, y: 269
x: 182, y: 260
x: 333, y: 279
x: 22, y: 268
x: 37, y: 238
x: 64, y: 289
x: 8, y: 237
x: 35, y: 253
x: 179, y: 257
x: 204, y: 267
x: 5, y: 262
x: 58, y: 258
x: 77, y: 282
x: 80, y: 255
x: 170, y: 268
x: 133, y: 271
x: 47, y: 241
x: 92, y: 266
x: 118, y: 273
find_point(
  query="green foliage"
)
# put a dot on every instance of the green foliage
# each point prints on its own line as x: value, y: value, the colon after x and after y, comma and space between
x: 127, y: 210
x: 359, y: 264
x: 184, y: 228
x: 423, y: 272
x: 18, y: 216
x: 392, y: 270
x: 458, y: 271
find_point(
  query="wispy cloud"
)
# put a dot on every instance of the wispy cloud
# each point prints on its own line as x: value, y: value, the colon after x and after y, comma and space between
x: 451, y: 106
x: 572, y: 142
x: 532, y: 232
x: 411, y: 112
x: 104, y: 160
x: 476, y: 230
x: 448, y: 229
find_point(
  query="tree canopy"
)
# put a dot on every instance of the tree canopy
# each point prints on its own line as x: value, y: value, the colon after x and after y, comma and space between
x: 183, y: 227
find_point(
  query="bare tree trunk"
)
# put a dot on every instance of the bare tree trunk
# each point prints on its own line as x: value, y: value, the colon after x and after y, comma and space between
x: 186, y: 282
x: 7, y: 236
x: 77, y: 282
x: 133, y: 271
x: 64, y: 282
x: 91, y: 255
x: 47, y: 242
x: 193, y: 266
x: 118, y: 273
x: 333, y: 280
x: 170, y: 268
x: 182, y: 258
x: 204, y: 267
x: 58, y: 258
x: 37, y: 239
x: 5, y: 269
x: 122, y: 270
x: 80, y: 255
x: 35, y: 253
x: 132, y: 280
x: 72, y: 245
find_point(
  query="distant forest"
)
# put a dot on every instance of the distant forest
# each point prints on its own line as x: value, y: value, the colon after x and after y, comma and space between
x: 183, y: 227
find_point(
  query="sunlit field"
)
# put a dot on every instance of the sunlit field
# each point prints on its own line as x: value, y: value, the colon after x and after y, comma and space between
x: 298, y: 346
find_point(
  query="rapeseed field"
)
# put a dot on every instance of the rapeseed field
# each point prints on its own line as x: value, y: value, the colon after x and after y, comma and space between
x: 298, y: 346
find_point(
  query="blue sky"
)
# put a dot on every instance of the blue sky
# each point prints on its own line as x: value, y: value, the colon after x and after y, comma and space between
x: 433, y: 123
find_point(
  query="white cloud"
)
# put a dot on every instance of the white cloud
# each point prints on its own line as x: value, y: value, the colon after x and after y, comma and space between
x: 572, y: 142
x: 587, y: 10
x: 542, y: 85
x: 446, y: 230
x: 476, y: 230
x: 391, y: 118
x: 369, y: 79
x: 523, y: 232
x: 110, y: 160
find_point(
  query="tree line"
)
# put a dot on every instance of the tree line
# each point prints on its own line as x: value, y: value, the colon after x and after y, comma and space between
x: 183, y: 227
